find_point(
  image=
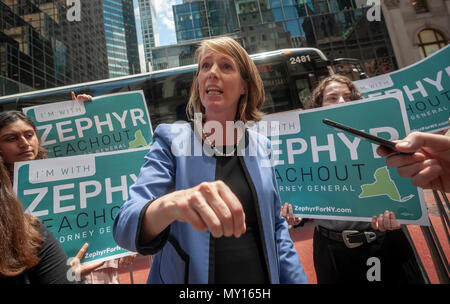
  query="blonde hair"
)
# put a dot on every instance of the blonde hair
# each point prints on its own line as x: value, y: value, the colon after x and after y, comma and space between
x: 251, y: 103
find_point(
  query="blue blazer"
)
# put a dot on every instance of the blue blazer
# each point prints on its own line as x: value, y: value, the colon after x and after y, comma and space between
x: 176, y: 161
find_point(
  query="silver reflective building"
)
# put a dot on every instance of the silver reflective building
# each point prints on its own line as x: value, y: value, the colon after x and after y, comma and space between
x: 150, y: 37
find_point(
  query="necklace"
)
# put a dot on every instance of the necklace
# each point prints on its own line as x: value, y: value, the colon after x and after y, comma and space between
x: 217, y: 151
x: 210, y: 143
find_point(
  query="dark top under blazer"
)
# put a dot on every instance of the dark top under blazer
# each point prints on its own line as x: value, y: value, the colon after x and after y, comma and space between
x: 182, y: 253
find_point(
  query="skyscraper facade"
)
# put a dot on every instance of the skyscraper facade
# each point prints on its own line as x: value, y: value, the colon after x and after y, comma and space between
x: 121, y: 38
x: 40, y: 48
x: 196, y: 20
x: 340, y: 28
x: 150, y: 37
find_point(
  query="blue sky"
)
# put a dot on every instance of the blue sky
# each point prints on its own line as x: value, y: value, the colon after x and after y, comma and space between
x: 164, y: 16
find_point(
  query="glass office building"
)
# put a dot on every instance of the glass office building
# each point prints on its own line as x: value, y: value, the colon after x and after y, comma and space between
x: 197, y: 20
x: 121, y: 38
x: 339, y: 28
x: 40, y: 48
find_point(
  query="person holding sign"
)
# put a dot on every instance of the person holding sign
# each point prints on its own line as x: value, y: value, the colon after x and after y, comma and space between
x: 211, y: 215
x: 19, y: 142
x: 29, y: 253
x: 340, y: 261
x: 429, y: 166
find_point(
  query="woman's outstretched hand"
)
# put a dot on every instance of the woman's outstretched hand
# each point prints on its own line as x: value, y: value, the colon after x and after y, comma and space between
x: 208, y: 206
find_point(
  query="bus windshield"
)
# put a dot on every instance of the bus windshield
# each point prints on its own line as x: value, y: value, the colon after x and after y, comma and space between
x: 349, y: 67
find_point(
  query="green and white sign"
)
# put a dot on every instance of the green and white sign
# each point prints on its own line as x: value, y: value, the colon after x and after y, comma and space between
x: 78, y: 197
x: 107, y: 123
x: 425, y: 86
x: 327, y: 173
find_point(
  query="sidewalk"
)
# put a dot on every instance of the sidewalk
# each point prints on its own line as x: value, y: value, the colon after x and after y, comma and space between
x: 141, y: 268
x: 302, y: 239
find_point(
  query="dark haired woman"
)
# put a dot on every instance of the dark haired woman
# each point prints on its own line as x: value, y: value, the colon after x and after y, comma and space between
x: 29, y: 253
x: 336, y: 261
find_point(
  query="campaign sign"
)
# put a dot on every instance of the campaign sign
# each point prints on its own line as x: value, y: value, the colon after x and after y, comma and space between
x: 332, y: 174
x: 425, y: 86
x: 107, y: 123
x: 78, y: 197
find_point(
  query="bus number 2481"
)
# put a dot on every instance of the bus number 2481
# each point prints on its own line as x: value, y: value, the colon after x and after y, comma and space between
x: 300, y: 59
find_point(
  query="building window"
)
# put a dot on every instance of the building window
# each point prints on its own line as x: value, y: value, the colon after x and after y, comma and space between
x: 420, y: 6
x: 430, y: 40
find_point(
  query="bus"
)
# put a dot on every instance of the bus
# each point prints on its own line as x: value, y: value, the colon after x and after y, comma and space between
x: 288, y: 75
